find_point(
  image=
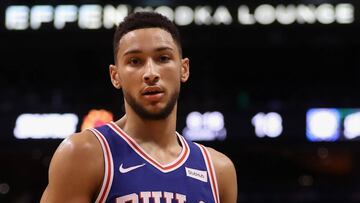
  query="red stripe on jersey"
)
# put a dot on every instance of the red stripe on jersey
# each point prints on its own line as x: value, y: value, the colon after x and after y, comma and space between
x: 212, y: 173
x: 109, y: 168
x: 184, y: 153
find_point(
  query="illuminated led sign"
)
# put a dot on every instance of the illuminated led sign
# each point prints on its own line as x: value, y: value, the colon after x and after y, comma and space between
x: 95, y: 16
x: 267, y: 125
x: 332, y: 124
x: 205, y: 127
x: 38, y: 126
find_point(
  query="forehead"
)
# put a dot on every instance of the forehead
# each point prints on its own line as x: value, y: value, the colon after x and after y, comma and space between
x: 146, y: 39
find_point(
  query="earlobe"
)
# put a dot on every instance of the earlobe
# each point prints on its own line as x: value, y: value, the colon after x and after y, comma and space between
x: 185, y: 69
x: 114, y: 76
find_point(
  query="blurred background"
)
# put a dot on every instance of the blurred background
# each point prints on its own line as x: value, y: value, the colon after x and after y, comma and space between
x: 274, y: 85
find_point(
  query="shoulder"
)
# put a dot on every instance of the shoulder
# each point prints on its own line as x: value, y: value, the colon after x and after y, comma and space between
x: 226, y: 176
x: 220, y: 160
x: 81, y: 146
x: 76, y: 169
x: 77, y: 151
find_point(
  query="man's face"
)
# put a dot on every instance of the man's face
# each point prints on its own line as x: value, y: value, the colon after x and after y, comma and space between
x: 149, y: 71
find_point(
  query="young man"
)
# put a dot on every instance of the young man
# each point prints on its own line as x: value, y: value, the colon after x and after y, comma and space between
x: 141, y: 158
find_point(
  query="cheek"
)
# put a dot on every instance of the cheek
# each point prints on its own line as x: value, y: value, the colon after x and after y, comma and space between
x: 173, y: 72
x: 172, y: 77
x: 129, y: 79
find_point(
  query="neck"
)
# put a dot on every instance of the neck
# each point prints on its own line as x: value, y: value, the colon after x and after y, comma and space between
x: 161, y: 132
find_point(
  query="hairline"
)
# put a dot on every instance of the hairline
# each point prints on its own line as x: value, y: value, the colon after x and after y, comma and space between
x: 177, y: 43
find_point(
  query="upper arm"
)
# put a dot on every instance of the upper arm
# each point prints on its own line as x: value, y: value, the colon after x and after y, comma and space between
x: 226, y: 176
x: 76, y: 170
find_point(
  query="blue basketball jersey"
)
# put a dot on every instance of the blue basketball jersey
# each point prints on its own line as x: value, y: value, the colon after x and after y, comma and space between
x: 132, y: 176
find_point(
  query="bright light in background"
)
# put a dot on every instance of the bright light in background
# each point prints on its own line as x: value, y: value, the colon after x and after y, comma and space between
x: 40, y: 126
x: 286, y: 14
x: 194, y: 120
x: 306, y: 14
x: 95, y: 16
x: 166, y: 11
x: 113, y: 16
x: 269, y: 124
x: 325, y: 13
x: 265, y: 14
x: 222, y: 16
x: 322, y: 124
x: 205, y: 127
x: 352, y: 126
x: 64, y: 14
x: 345, y: 13
x: 17, y: 17
x: 184, y: 15
x: 4, y: 188
x: 203, y: 15
x: 39, y: 15
x: 96, y: 118
x: 90, y: 16
x: 141, y: 9
x: 244, y: 16
x: 214, y: 120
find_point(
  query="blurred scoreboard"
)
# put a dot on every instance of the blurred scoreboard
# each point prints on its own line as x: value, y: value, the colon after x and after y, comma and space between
x: 322, y: 124
x: 332, y: 124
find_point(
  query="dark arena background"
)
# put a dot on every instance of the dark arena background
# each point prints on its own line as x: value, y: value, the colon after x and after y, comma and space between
x: 274, y: 85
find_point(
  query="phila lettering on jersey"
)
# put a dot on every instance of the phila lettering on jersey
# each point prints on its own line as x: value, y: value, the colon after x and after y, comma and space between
x: 131, y: 175
x: 156, y: 196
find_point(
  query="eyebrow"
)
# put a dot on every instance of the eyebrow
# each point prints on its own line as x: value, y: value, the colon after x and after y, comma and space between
x: 137, y: 51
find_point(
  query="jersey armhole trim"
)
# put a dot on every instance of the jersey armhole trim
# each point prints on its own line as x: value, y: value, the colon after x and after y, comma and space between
x: 211, y: 169
x: 108, y: 167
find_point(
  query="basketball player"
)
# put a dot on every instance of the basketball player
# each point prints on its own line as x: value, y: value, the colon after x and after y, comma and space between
x: 141, y: 158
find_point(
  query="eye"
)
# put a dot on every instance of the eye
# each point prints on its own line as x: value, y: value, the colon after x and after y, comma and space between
x: 134, y: 61
x: 164, y: 59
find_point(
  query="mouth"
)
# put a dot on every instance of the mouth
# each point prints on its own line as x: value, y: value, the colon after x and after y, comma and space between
x: 153, y: 94
x: 152, y: 90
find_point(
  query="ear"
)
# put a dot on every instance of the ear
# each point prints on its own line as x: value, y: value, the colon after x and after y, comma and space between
x: 114, y: 76
x: 185, y: 72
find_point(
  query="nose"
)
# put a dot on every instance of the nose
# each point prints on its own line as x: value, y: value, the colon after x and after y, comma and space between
x: 151, y: 74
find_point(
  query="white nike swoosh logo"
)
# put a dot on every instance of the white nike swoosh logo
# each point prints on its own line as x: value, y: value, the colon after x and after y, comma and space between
x: 128, y: 169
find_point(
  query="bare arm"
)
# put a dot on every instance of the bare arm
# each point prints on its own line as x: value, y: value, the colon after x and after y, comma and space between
x: 226, y: 176
x: 76, y: 170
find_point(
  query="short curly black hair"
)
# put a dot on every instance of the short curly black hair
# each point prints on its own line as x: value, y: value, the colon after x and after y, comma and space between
x: 139, y: 20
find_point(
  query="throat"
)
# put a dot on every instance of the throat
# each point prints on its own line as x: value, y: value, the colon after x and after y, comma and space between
x: 163, y: 153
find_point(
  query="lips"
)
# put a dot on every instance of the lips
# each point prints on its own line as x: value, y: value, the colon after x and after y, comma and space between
x: 152, y: 90
x: 153, y: 93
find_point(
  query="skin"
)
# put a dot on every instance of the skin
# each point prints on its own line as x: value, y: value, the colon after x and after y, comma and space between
x: 146, y: 58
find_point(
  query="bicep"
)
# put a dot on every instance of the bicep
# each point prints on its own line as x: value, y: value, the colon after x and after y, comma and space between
x: 53, y: 195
